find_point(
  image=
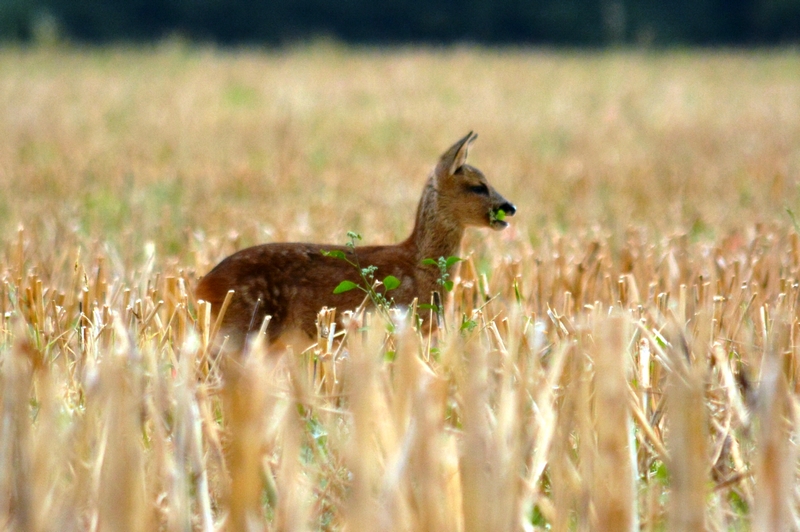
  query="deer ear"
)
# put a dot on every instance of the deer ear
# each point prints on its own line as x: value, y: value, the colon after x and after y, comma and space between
x: 455, y: 157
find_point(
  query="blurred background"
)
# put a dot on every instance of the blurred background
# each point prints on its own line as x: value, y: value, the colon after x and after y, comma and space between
x: 544, y: 22
x: 179, y: 121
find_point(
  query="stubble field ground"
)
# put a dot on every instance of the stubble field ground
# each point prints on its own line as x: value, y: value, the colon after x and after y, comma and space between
x: 623, y: 356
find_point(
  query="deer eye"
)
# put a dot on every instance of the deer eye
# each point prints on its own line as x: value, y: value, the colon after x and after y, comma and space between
x: 479, y: 189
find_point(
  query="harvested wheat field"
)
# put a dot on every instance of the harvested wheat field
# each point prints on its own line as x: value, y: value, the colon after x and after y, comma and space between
x: 623, y: 357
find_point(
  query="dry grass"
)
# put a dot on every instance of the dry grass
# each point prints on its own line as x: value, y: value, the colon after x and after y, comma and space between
x: 623, y: 357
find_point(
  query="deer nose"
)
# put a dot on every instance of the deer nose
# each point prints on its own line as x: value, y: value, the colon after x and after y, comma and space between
x: 508, y: 208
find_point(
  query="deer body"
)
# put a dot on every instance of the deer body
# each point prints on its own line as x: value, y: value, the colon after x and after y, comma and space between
x: 291, y: 282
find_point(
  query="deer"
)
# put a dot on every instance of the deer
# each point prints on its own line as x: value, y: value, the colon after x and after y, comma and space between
x: 290, y: 282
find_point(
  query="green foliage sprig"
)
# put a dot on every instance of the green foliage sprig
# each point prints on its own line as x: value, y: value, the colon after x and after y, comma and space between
x: 368, y: 283
x: 444, y: 264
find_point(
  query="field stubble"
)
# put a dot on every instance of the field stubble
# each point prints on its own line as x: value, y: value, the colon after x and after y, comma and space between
x: 623, y: 356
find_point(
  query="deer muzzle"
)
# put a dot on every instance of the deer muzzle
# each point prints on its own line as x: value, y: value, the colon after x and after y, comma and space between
x: 498, y: 214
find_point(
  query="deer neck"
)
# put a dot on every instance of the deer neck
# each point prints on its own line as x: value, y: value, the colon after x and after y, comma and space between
x: 435, y: 234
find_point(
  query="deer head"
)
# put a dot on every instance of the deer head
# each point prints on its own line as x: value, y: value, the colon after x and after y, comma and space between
x: 464, y: 195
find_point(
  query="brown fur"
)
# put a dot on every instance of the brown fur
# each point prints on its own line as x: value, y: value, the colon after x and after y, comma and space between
x: 292, y: 281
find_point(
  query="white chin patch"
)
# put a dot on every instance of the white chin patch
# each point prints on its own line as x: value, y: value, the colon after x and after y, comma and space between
x: 498, y: 225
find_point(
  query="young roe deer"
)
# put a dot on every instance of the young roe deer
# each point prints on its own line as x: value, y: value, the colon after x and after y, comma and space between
x: 291, y: 282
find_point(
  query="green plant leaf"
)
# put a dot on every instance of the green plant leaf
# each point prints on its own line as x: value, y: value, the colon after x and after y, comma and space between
x: 429, y: 262
x: 428, y: 306
x: 468, y: 325
x: 435, y: 352
x: 500, y: 215
x: 794, y: 219
x: 452, y: 260
x: 344, y: 286
x: 448, y: 285
x: 391, y: 282
x: 335, y: 253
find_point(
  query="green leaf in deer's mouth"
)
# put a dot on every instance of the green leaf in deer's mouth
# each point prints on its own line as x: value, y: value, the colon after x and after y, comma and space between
x: 497, y: 219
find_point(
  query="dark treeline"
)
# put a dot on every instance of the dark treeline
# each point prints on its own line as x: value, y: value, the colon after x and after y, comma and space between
x: 550, y: 22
